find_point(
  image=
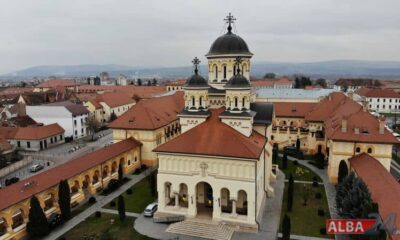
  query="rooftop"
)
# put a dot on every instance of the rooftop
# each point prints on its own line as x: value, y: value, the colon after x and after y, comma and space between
x: 214, y: 138
x: 149, y: 114
x: 31, y: 133
x: 18, y: 192
x: 56, y: 83
x: 293, y: 109
x: 291, y: 93
x: 377, y: 93
x: 385, y: 190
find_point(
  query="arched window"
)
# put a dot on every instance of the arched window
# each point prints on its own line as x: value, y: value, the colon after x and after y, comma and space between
x: 369, y: 150
x: 243, y: 103
x: 358, y: 149
x: 201, y: 101
x: 193, y: 102
x: 272, y: 137
x: 216, y: 71
x: 234, y: 70
x: 236, y: 102
x: 225, y: 72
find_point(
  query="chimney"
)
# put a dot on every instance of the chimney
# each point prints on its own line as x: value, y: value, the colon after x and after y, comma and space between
x: 381, y: 125
x: 344, y: 125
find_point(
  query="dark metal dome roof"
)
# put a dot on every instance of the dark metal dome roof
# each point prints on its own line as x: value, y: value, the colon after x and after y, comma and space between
x: 238, y: 81
x: 229, y: 43
x: 196, y: 80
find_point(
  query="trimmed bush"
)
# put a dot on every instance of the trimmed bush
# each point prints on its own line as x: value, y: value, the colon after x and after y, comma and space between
x: 112, y: 186
x: 322, y: 231
x: 112, y: 204
x: 137, y: 171
x: 143, y: 167
x: 318, y: 195
x: 92, y: 200
x: 321, y: 212
x: 97, y: 214
x: 129, y: 191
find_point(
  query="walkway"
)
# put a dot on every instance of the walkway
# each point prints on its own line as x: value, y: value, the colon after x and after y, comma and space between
x: 329, y: 187
x: 101, y: 201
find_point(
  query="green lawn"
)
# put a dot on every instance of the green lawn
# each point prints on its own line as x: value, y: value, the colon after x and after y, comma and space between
x: 93, y: 228
x: 298, y: 171
x: 304, y: 219
x: 139, y: 199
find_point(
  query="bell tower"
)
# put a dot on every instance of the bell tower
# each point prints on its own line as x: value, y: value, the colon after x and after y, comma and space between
x: 222, y: 54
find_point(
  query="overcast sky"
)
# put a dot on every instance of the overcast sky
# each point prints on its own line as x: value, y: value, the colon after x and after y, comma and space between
x: 172, y: 32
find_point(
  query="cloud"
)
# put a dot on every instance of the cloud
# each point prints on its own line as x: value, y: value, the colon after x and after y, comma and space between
x: 171, y: 33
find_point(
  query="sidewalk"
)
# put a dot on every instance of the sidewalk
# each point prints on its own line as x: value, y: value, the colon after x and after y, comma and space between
x: 101, y: 201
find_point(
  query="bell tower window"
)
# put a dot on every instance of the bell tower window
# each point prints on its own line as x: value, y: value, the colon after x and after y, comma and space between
x: 243, y: 103
x: 193, y: 102
x: 236, y: 102
x: 216, y: 72
x: 201, y: 101
x: 224, y: 72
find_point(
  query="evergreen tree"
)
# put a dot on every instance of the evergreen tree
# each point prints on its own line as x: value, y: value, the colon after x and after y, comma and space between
x: 290, y: 193
x: 37, y: 226
x: 286, y: 228
x: 139, y: 82
x: 152, y: 178
x: 154, y: 83
x: 284, y: 160
x: 298, y: 145
x: 353, y: 198
x: 320, y: 160
x: 64, y: 199
x: 343, y: 171
x: 120, y: 173
x: 121, y: 208
x: 113, y: 116
x: 275, y: 152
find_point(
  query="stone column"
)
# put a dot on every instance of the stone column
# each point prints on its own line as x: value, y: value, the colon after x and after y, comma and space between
x: 234, y: 207
x: 216, y: 204
x: 192, y: 208
x: 176, y: 200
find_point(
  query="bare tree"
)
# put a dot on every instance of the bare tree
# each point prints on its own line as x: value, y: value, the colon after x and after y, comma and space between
x: 93, y: 126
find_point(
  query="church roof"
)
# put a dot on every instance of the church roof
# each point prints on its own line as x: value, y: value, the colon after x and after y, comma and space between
x: 229, y: 43
x: 196, y: 80
x: 238, y: 81
x: 214, y: 138
x: 265, y: 112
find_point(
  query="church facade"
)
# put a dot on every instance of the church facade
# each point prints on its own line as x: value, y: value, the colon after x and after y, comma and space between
x: 220, y: 166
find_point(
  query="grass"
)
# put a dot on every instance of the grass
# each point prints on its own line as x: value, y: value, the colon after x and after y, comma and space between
x: 138, y: 200
x: 304, y: 219
x: 299, y: 172
x: 93, y: 228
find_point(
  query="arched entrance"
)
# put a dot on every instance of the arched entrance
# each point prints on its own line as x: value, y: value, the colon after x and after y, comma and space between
x: 204, y: 199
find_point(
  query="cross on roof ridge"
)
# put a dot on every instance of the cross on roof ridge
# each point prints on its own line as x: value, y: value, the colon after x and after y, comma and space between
x: 229, y: 19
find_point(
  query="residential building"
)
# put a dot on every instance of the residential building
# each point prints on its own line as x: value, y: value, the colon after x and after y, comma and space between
x: 272, y: 83
x: 291, y: 95
x: 33, y: 138
x: 380, y: 100
x: 175, y: 85
x: 56, y: 84
x: 85, y: 175
x: 71, y: 117
x: 105, y: 105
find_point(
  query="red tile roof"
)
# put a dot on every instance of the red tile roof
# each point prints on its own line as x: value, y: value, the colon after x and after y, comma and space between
x: 114, y: 99
x: 270, y: 82
x: 47, y: 179
x: 325, y: 107
x: 31, y: 133
x: 130, y: 90
x: 149, y: 114
x: 215, y: 138
x: 385, y: 190
x: 56, y: 83
x: 378, y: 93
x: 293, y: 109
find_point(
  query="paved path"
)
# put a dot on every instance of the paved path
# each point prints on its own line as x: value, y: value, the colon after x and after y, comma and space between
x: 101, y: 201
x: 304, y: 182
x: 329, y: 187
x: 111, y: 211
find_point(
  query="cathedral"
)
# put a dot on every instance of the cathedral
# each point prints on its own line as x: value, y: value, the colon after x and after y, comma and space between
x: 220, y: 166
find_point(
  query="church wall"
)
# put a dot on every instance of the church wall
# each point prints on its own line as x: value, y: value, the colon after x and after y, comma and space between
x: 244, y: 126
x: 229, y: 62
x: 188, y: 123
x: 235, y: 175
x: 345, y: 150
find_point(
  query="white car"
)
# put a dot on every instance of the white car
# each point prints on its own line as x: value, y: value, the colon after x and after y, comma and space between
x: 36, y: 167
x: 150, y: 209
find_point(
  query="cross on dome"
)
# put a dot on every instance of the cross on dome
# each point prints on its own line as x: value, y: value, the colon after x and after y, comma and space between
x: 229, y: 19
x: 238, y: 62
x: 196, y: 63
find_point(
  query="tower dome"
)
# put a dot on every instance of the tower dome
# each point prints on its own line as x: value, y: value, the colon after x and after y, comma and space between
x: 238, y: 81
x: 229, y: 43
x: 196, y: 80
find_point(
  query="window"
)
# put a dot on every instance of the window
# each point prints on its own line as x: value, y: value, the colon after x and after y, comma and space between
x: 216, y: 72
x: 135, y: 159
x: 201, y: 101
x: 272, y: 137
x: 384, y: 100
x: 358, y: 149
x: 224, y: 72
x: 369, y: 150
x: 193, y: 102
x: 51, y: 140
x: 378, y: 100
x: 243, y: 103
x: 28, y: 144
x: 236, y: 102
x: 18, y: 143
x: 75, y: 122
x: 82, y: 130
x: 82, y: 120
x: 55, y: 139
x: 61, y: 137
x: 76, y: 132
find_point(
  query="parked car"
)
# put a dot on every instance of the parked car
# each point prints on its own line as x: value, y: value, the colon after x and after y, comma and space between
x: 54, y: 220
x: 10, y: 181
x: 150, y: 210
x: 36, y: 167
